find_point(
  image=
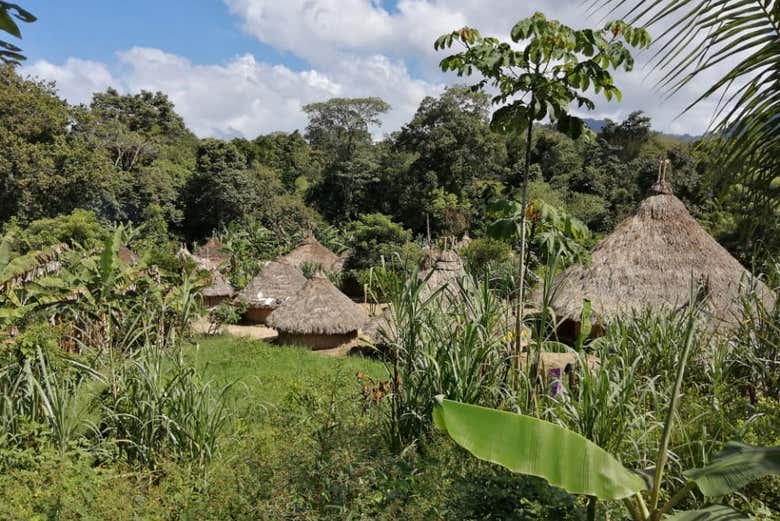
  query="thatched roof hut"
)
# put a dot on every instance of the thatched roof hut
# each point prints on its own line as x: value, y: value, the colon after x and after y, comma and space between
x: 218, y: 291
x: 220, y: 288
x: 213, y: 251
x: 311, y: 251
x: 649, y: 260
x: 319, y: 316
x: 441, y: 268
x: 276, y: 283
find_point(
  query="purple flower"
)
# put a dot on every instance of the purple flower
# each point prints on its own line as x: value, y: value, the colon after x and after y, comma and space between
x: 556, y: 387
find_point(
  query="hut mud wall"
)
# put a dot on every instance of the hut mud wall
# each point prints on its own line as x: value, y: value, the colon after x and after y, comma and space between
x: 211, y: 302
x: 317, y: 341
x: 257, y: 315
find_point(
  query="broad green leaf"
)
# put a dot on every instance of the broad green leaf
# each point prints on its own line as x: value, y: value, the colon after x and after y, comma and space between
x: 711, y: 513
x: 735, y: 466
x: 538, y: 448
x: 572, y: 126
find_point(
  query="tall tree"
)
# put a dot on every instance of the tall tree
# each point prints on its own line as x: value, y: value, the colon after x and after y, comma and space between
x: 556, y: 67
x: 454, y: 147
x: 339, y: 126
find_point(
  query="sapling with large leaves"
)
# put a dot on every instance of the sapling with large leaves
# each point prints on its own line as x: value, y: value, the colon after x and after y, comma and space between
x: 555, y: 67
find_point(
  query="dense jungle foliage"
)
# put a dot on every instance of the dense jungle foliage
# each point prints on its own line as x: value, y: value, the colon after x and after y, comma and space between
x: 116, y: 403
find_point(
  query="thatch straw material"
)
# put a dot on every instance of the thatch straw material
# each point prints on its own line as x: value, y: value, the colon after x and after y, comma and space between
x: 127, y: 256
x: 440, y: 269
x: 311, y: 251
x: 213, y: 251
x: 379, y: 326
x: 649, y: 261
x: 220, y: 288
x: 318, y: 309
x: 276, y: 283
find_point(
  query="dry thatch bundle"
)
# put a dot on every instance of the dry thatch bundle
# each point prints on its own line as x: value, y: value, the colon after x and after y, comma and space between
x: 276, y: 283
x: 213, y: 251
x: 318, y: 309
x: 649, y: 261
x: 311, y: 252
x: 440, y: 269
x: 379, y: 326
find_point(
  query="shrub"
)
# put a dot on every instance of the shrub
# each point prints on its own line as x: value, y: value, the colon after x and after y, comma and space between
x: 375, y: 237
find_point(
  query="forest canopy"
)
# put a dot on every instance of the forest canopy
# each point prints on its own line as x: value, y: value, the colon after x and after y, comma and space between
x: 130, y: 158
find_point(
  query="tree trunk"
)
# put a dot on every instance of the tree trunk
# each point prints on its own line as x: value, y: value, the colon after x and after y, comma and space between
x: 523, y: 248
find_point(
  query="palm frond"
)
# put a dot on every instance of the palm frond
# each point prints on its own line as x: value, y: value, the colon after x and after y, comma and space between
x: 697, y: 36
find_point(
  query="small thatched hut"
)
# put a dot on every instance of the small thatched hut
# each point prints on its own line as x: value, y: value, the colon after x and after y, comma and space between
x: 440, y: 269
x: 319, y: 316
x: 218, y: 291
x: 214, y: 252
x: 310, y: 251
x: 276, y: 283
x: 649, y: 261
x: 220, y: 288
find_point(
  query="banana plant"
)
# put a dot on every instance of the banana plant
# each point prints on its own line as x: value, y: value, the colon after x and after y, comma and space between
x: 528, y: 445
x: 531, y: 446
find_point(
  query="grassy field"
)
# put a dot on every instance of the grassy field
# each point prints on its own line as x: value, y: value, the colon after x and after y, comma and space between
x: 300, y: 445
x: 264, y: 374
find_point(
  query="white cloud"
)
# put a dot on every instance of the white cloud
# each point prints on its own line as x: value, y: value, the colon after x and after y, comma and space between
x: 76, y: 79
x: 243, y: 97
x: 354, y: 48
x: 324, y: 31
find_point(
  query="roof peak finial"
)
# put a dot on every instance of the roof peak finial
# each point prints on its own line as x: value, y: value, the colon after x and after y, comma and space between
x: 662, y: 185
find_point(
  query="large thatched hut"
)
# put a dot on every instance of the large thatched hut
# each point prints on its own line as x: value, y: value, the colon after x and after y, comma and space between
x: 311, y: 252
x: 214, y: 252
x: 319, y: 316
x: 276, y: 283
x: 650, y: 260
x: 440, y: 269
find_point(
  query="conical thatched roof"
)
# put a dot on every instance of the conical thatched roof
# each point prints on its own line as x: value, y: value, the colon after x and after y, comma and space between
x: 440, y: 268
x: 276, y: 283
x: 310, y: 251
x: 318, y: 309
x: 220, y: 287
x: 649, y: 261
x: 213, y: 252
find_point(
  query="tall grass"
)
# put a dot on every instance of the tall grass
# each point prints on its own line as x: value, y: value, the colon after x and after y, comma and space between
x: 162, y: 409
x: 451, y: 342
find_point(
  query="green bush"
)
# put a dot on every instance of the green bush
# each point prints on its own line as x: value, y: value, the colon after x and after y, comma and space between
x: 375, y: 237
x: 481, y: 254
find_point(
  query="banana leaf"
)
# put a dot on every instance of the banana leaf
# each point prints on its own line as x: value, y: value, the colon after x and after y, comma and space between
x: 538, y: 448
x: 734, y: 467
x: 712, y: 513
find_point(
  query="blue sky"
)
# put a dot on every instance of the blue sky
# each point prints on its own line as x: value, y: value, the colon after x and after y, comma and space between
x: 203, y: 30
x: 243, y: 67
